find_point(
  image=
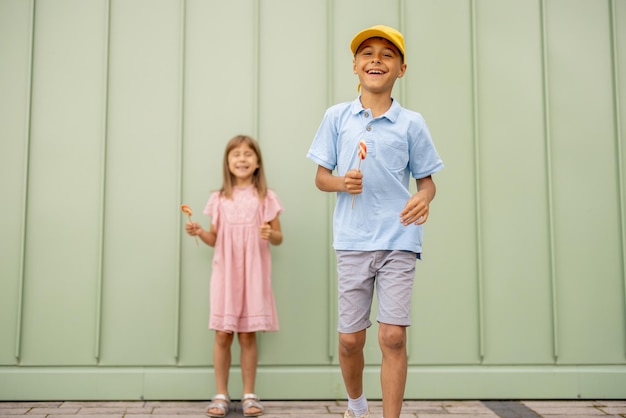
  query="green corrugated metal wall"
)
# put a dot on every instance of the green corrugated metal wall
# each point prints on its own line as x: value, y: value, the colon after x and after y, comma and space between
x: 113, y: 112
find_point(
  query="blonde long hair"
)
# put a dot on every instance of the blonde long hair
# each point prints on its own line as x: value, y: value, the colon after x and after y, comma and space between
x: 260, y: 184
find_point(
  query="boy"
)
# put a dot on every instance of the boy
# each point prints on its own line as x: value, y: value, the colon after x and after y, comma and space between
x: 378, y: 240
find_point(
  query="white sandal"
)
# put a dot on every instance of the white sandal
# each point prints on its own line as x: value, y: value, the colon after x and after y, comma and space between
x: 250, y: 400
x: 221, y: 402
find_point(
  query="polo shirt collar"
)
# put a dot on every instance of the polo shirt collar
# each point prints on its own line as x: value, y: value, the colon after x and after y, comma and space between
x: 391, y: 114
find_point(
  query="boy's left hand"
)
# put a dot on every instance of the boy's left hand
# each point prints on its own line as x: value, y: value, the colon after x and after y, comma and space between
x: 416, y: 210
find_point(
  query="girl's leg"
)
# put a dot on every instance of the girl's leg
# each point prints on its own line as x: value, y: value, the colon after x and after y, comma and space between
x: 249, y: 361
x: 221, y: 361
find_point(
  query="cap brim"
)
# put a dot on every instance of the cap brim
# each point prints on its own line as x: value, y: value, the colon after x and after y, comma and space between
x: 371, y: 33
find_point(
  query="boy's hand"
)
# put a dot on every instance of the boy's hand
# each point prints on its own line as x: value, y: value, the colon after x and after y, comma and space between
x: 353, y: 181
x: 416, y: 210
x: 193, y: 228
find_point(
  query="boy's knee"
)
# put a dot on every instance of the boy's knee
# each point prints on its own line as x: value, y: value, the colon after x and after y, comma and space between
x: 351, y: 343
x: 392, y: 337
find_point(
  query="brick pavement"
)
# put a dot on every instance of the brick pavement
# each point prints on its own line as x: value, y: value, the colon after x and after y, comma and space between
x: 318, y: 409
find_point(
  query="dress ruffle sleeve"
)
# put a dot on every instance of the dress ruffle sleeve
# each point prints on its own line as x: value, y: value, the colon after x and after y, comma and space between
x: 271, y: 206
x: 212, y: 208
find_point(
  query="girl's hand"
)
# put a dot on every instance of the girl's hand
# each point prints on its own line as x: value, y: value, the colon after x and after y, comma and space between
x: 265, y: 231
x: 193, y: 228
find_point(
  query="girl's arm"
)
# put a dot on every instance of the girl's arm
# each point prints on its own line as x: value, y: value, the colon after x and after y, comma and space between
x: 351, y: 183
x: 208, y: 237
x: 271, y: 231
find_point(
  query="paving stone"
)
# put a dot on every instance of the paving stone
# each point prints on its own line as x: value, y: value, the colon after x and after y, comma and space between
x: 26, y: 404
x: 30, y: 416
x: 317, y: 409
x: 615, y: 410
x: 560, y: 404
x: 139, y: 410
x: 103, y: 404
x: 580, y: 416
x: 101, y: 410
x: 476, y: 410
x: 454, y: 416
x: 53, y: 411
x: 14, y: 411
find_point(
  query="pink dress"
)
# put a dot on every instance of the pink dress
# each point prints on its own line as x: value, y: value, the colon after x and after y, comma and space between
x: 242, y: 299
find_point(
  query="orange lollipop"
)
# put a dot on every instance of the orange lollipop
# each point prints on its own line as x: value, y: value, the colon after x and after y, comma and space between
x: 362, y: 153
x: 187, y: 211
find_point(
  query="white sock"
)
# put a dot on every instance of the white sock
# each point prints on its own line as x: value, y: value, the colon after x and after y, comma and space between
x: 358, y: 405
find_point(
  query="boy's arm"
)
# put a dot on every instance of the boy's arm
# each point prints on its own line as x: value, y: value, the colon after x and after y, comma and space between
x: 350, y: 183
x: 417, y: 208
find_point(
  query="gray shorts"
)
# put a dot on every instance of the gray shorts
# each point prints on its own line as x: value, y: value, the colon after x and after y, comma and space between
x: 359, y: 272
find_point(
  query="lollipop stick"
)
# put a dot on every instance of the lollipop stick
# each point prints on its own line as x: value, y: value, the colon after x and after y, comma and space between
x: 195, y: 236
x: 353, y: 196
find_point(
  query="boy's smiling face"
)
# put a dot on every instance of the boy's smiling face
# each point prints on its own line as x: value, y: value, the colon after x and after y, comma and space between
x: 378, y: 63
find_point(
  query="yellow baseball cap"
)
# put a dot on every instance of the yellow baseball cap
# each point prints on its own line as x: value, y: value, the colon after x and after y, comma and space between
x: 378, y: 31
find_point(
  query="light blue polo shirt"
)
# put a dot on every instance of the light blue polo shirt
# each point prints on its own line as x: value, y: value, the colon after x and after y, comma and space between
x: 399, y: 147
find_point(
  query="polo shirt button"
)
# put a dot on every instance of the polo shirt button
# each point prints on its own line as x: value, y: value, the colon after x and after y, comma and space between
x: 369, y: 128
x: 367, y: 115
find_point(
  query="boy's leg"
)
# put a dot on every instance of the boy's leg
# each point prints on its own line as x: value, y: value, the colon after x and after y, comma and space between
x: 355, y: 291
x: 352, y: 362
x: 394, y: 286
x: 393, y: 371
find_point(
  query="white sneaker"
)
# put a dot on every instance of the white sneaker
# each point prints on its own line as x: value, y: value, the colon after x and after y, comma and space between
x: 350, y: 414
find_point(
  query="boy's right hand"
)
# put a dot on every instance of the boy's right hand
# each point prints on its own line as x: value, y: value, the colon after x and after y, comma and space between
x: 353, y: 181
x: 193, y: 228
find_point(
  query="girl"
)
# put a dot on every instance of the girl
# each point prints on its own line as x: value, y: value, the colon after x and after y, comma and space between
x: 244, y: 221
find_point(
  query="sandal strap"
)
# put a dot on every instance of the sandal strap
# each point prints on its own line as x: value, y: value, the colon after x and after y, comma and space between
x: 220, y: 402
x: 251, y: 400
x: 221, y: 397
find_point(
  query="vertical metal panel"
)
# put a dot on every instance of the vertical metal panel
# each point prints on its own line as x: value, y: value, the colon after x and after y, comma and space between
x: 331, y: 275
x: 16, y: 38
x: 103, y: 176
x: 549, y: 180
x: 140, y: 241
x: 477, y: 189
x: 512, y: 184
x: 346, y: 25
x: 439, y: 85
x: 63, y: 193
x: 616, y: 41
x: 505, y: 276
x: 181, y: 138
x: 301, y: 294
x: 588, y: 256
x: 219, y: 86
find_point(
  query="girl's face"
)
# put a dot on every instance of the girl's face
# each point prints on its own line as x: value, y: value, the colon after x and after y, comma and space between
x: 378, y: 64
x: 242, y: 163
